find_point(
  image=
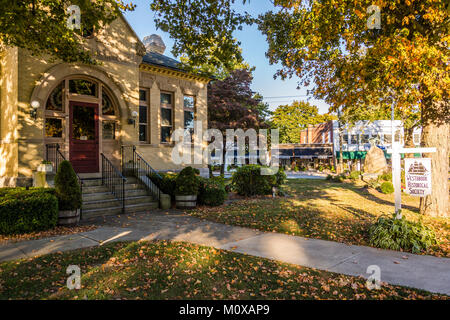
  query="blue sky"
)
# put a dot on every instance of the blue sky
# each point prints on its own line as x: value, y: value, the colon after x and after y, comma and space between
x: 254, y: 47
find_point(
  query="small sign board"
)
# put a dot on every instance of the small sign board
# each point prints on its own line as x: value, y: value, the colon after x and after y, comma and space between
x: 418, y: 176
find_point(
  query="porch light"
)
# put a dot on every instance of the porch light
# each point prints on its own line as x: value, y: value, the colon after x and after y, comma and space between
x: 34, y: 106
x: 133, y: 118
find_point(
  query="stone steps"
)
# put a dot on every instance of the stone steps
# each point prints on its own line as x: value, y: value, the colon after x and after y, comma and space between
x: 99, y: 201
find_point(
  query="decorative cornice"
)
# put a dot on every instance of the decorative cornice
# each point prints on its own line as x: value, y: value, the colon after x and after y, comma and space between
x: 173, y: 73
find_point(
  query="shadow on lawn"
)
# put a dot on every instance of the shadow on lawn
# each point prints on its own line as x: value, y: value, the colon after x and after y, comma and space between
x: 314, y: 189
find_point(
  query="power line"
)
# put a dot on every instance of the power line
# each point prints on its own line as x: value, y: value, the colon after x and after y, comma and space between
x: 282, y: 97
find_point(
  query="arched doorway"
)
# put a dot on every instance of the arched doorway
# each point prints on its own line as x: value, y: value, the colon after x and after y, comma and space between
x: 81, y: 115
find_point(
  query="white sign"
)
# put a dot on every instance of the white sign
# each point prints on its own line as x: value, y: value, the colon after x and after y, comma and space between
x: 418, y: 176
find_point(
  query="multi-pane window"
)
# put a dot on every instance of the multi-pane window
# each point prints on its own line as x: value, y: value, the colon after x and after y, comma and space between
x: 166, y: 117
x: 83, y: 87
x: 365, y: 138
x: 189, y: 117
x: 387, y: 138
x: 416, y: 138
x: 53, y: 128
x: 345, y: 139
x: 354, y: 139
x: 143, y: 115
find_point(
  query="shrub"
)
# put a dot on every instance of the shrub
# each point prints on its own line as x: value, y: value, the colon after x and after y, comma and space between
x: 24, y: 210
x: 166, y: 182
x: 339, y: 178
x: 354, y: 175
x: 21, y: 192
x: 373, y: 183
x: 387, y: 187
x: 321, y: 168
x: 211, y: 192
x: 248, y: 181
x: 329, y: 177
x: 385, y: 177
x: 67, y: 188
x: 280, y: 177
x: 187, y: 182
x: 401, y: 234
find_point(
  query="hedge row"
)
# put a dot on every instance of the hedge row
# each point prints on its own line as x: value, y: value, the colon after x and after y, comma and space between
x: 30, y: 210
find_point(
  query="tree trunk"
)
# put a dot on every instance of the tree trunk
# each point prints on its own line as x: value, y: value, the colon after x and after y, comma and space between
x: 409, y: 141
x: 224, y: 152
x: 436, y: 133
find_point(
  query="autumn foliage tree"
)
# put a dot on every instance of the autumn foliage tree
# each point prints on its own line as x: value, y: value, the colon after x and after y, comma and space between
x: 41, y: 25
x: 233, y: 105
x: 405, y: 63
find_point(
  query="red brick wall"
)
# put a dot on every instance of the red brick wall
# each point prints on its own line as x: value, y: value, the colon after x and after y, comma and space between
x: 315, y: 134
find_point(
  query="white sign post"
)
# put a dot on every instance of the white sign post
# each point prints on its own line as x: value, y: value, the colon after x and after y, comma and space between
x: 396, y: 152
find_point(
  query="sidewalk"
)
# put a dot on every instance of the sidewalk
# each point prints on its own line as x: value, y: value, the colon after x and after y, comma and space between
x: 423, y: 272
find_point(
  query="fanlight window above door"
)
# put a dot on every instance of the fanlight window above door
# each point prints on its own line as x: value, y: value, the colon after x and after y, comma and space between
x: 107, y: 104
x: 83, y: 87
x: 55, y: 100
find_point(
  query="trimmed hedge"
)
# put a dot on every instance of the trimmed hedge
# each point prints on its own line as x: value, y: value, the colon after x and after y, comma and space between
x: 24, y: 210
x: 211, y: 192
x: 248, y: 181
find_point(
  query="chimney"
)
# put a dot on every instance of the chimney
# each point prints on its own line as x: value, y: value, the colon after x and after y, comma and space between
x: 154, y: 43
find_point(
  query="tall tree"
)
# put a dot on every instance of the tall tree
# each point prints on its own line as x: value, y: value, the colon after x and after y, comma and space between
x: 203, y: 30
x: 292, y: 119
x: 233, y: 105
x: 405, y: 63
x: 41, y: 25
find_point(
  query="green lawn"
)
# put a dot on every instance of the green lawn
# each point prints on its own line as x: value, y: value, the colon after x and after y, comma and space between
x: 175, y: 270
x: 325, y: 210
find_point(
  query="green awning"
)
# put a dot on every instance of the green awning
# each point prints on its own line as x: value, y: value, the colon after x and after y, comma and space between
x: 351, y: 155
x: 356, y: 155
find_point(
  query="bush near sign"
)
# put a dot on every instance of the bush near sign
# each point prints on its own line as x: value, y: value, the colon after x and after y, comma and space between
x: 418, y: 176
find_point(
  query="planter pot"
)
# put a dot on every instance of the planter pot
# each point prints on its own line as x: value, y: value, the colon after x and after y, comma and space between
x: 68, y: 217
x: 186, y: 202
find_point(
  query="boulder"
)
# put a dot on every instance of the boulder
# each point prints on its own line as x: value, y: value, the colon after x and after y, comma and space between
x: 375, y: 162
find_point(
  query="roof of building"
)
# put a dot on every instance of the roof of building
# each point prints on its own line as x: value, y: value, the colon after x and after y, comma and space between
x: 160, y: 60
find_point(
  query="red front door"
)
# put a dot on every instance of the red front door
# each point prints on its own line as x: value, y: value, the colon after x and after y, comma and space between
x: 84, y: 138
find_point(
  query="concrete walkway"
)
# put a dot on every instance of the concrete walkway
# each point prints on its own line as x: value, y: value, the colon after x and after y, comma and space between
x: 423, y: 272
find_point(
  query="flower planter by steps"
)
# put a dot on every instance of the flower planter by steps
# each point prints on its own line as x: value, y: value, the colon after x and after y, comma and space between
x: 186, y: 202
x: 68, y: 217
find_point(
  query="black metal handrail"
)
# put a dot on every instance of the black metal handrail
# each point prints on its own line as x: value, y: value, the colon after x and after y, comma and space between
x: 134, y: 164
x: 55, y: 156
x: 113, y: 180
